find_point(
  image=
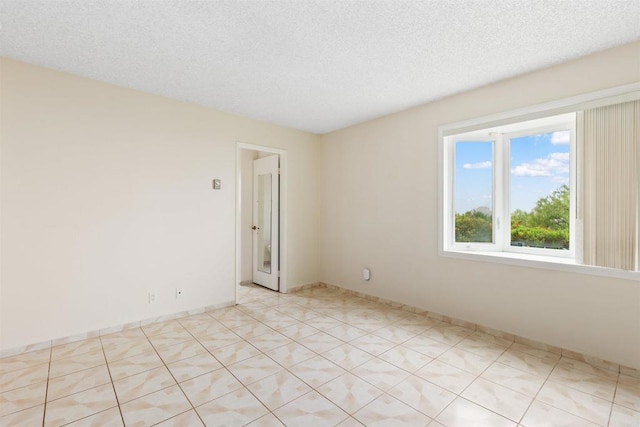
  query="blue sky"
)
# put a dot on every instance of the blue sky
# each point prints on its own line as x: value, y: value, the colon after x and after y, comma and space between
x: 539, y: 164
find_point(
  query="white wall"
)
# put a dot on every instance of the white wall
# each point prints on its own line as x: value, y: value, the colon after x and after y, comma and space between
x: 106, y: 194
x: 379, y: 209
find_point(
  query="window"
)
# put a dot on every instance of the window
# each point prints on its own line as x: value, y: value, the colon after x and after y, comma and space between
x: 552, y: 186
x: 510, y: 188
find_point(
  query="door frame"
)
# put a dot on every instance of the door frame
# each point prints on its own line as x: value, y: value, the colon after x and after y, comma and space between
x: 283, y: 212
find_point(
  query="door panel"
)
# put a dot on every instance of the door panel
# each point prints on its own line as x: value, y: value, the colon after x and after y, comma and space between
x: 266, y: 222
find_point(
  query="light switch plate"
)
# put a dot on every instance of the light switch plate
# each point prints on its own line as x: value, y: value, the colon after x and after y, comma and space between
x: 217, y: 184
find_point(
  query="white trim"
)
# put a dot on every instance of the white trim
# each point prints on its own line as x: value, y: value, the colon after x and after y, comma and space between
x: 283, y: 212
x: 543, y: 262
x: 567, y: 105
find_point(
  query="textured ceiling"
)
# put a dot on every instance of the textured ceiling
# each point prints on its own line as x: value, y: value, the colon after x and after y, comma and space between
x: 311, y: 65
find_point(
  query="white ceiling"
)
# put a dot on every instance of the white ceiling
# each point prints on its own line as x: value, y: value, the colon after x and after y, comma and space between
x: 311, y: 65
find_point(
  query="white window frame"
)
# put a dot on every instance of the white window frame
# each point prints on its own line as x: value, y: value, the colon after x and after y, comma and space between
x: 578, y: 103
x: 501, y: 191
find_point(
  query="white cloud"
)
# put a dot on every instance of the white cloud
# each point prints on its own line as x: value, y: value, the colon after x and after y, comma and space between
x: 561, y: 138
x: 554, y: 165
x: 480, y: 165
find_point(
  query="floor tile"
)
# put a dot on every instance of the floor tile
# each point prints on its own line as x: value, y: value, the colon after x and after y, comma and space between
x: 255, y: 368
x: 347, y: 356
x: 373, y: 344
x: 237, y: 408
x: 235, y: 352
x: 269, y: 341
x: 426, y: 346
x: 349, y: 392
x: 449, y: 377
x: 181, y: 351
x: 584, y: 381
x: 501, y: 400
x: 316, y: 371
x: 134, y: 365
x: 526, y: 362
x: 320, y: 342
x: 422, y: 395
x: 78, y: 381
x: 405, y: 358
x: 193, y: 366
x: 219, y: 339
x: 310, y: 410
x: 76, y: 363
x: 290, y: 354
x: 462, y: 413
x: 22, y: 398
x: 346, y: 332
x: 80, y: 405
x: 109, y: 418
x: 124, y: 349
x: 323, y: 322
x: 23, y: 377
x: 389, y: 411
x: 298, y: 331
x: 624, y: 417
x: 24, y: 360
x: 315, y: 357
x: 585, y: 367
x: 278, y: 389
x: 141, y: 384
x: 251, y: 330
x: 394, y: 334
x: 29, y: 417
x: 75, y: 348
x: 575, y: 402
x: 350, y: 422
x: 482, y: 348
x: 514, y: 379
x: 537, y: 352
x: 167, y: 339
x: 155, y: 407
x: 159, y: 328
x: 186, y: 419
x: 268, y: 420
x: 447, y: 334
x: 628, y: 392
x: 210, y: 386
x: 381, y: 374
x: 542, y: 415
x: 465, y: 360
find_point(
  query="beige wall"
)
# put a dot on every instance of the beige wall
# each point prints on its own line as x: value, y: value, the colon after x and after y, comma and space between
x: 379, y: 209
x: 106, y: 194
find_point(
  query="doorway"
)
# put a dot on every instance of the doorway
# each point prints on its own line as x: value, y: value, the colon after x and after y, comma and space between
x: 260, y: 235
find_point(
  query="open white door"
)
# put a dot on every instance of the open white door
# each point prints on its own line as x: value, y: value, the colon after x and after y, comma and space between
x: 266, y: 221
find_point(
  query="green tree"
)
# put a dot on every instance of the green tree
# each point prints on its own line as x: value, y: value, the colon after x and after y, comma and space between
x: 547, y: 225
x: 552, y: 212
x: 474, y: 226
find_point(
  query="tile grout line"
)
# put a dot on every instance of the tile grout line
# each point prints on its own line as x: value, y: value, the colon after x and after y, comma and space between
x: 46, y: 393
x: 113, y: 386
x: 613, y: 399
x: 164, y: 364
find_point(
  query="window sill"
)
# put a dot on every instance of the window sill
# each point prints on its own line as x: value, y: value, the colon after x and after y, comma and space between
x: 541, y: 261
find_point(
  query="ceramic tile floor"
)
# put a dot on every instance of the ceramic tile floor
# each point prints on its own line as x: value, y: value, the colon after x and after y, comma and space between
x: 313, y: 358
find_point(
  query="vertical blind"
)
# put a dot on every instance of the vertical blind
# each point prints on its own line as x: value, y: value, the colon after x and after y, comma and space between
x: 611, y: 158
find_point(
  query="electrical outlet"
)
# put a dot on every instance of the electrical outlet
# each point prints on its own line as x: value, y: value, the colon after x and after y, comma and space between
x: 153, y: 297
x: 179, y: 293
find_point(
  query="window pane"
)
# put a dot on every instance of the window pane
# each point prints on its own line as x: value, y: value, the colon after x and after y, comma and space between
x: 539, y: 194
x: 473, y: 191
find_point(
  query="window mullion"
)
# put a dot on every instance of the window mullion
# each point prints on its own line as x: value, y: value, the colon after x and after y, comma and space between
x: 500, y: 193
